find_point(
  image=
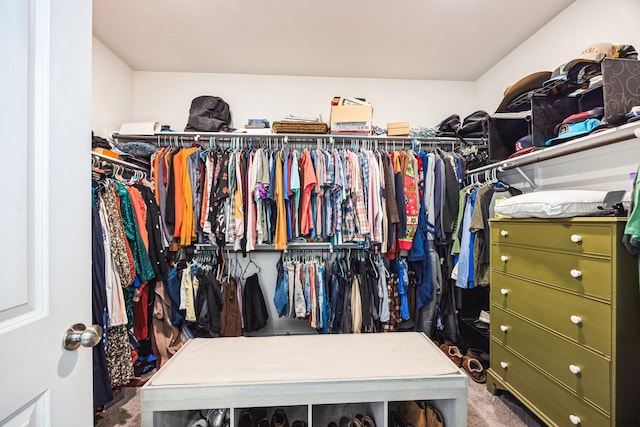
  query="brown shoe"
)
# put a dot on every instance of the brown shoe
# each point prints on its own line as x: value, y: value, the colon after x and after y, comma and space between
x: 413, y: 412
x: 434, y: 417
x: 475, y: 369
x: 367, y: 421
x: 453, y: 352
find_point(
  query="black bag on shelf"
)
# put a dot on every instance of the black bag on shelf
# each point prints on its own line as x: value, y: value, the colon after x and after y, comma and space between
x: 475, y: 125
x: 209, y: 114
x: 449, y: 126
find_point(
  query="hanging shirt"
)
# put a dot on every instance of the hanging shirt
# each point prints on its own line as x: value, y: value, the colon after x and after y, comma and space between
x: 310, y: 181
x: 295, y: 190
x: 280, y: 238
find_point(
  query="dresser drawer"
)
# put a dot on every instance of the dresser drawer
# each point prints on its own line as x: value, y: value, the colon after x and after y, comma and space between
x: 579, y: 238
x: 548, y: 397
x: 579, y: 274
x: 582, y: 320
x: 556, y: 356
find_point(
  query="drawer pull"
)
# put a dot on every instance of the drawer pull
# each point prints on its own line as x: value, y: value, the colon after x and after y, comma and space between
x: 575, y: 420
x: 504, y: 328
x: 576, y: 273
x: 504, y: 233
x: 503, y: 365
x: 504, y: 258
x: 504, y: 291
x: 574, y: 369
x: 576, y: 319
x: 576, y: 238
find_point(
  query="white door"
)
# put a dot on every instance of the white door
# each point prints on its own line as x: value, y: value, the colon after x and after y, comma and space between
x: 45, y: 219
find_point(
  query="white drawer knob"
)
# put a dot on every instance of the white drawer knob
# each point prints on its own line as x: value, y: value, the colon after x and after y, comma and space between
x: 576, y: 273
x: 503, y: 365
x: 576, y: 319
x: 576, y: 238
x: 504, y: 291
x: 504, y: 233
x: 504, y: 328
x: 574, y: 369
x: 504, y: 258
x: 574, y: 419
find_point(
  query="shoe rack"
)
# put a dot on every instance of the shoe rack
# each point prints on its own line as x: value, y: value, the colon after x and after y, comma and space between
x: 356, y: 380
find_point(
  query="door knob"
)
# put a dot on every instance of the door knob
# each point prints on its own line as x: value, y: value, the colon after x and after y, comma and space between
x: 80, y: 335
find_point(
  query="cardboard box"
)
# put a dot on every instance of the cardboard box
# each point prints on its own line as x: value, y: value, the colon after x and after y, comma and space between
x: 398, y: 129
x: 351, y: 119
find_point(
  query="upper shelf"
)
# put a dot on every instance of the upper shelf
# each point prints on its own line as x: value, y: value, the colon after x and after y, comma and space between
x: 610, y: 136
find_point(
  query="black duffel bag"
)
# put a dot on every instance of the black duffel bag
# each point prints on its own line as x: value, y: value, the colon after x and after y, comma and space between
x: 475, y: 125
x: 209, y: 114
x: 449, y: 126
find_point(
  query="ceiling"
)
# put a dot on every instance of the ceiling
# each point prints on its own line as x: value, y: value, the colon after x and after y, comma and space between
x: 403, y: 39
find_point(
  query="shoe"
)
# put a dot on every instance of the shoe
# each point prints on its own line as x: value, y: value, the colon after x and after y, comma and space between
x: 475, y: 369
x: 355, y: 422
x: 367, y: 421
x: 217, y: 418
x: 453, y: 352
x: 332, y: 424
x: 344, y: 422
x: 299, y: 423
x: 279, y: 419
x: 434, y: 417
x: 413, y: 412
x: 246, y: 420
x: 264, y: 423
x: 479, y: 354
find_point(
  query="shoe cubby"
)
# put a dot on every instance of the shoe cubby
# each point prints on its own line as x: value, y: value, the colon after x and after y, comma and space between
x: 431, y: 413
x: 341, y: 413
x: 192, y: 418
x: 277, y: 416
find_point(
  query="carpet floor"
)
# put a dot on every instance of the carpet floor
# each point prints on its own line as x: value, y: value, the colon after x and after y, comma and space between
x: 483, y: 409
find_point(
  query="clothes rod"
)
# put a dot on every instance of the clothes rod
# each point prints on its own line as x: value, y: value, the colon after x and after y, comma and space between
x: 291, y: 246
x: 204, y: 136
x: 595, y: 140
x: 118, y: 161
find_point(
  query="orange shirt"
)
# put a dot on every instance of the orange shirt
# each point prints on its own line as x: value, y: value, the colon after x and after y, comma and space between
x: 280, y: 241
x: 188, y: 227
x: 178, y: 196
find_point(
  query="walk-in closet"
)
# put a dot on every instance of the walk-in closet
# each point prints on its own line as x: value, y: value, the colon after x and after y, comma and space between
x: 320, y: 214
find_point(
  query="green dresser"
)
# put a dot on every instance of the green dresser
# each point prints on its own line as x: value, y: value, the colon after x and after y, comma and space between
x: 565, y: 320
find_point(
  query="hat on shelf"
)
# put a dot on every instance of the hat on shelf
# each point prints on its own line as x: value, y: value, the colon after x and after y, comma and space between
x: 523, y: 145
x: 521, y: 87
x: 594, y: 113
x: 569, y: 131
x: 587, y: 65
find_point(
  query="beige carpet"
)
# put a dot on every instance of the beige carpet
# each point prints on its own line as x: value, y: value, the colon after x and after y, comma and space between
x: 484, y: 410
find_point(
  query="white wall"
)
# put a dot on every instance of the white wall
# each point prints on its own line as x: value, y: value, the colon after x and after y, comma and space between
x: 563, y: 38
x: 112, y: 97
x: 166, y: 97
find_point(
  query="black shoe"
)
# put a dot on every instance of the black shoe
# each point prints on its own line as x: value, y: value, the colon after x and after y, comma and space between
x: 246, y: 420
x: 279, y: 419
